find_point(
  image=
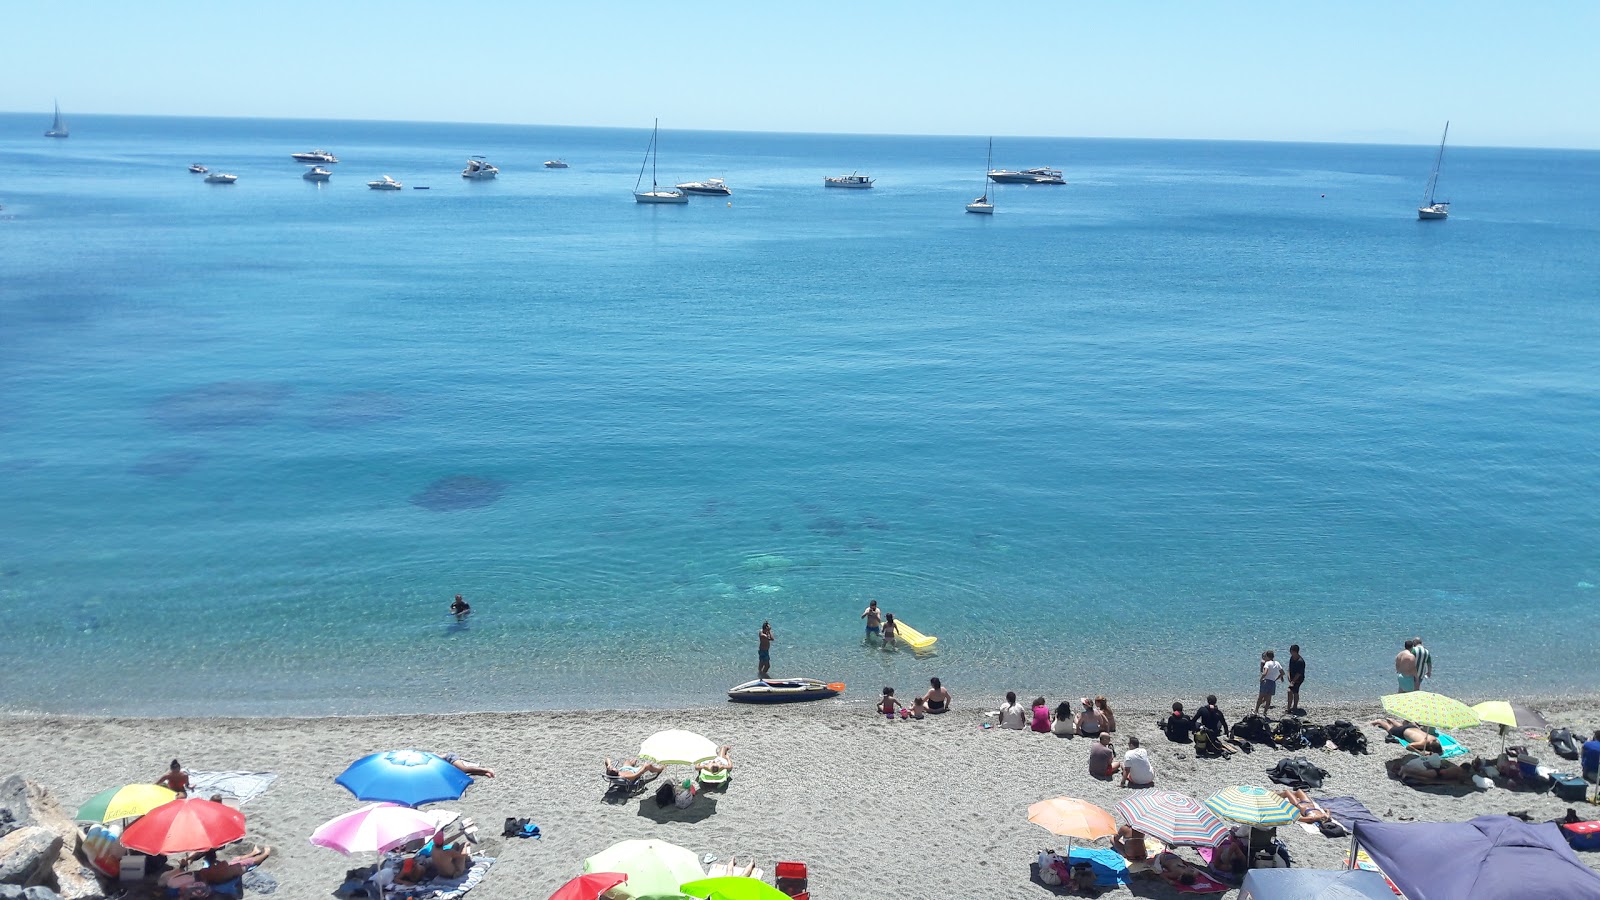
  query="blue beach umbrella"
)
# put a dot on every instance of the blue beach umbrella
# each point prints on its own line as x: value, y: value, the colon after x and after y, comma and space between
x: 408, y: 777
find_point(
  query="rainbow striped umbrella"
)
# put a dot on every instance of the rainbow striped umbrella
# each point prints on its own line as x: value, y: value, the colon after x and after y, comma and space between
x: 1430, y: 709
x: 1251, y: 805
x: 126, y: 802
x: 1173, y: 819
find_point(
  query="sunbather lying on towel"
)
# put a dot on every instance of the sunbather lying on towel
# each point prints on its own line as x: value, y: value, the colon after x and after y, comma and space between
x: 1309, y: 810
x: 1175, y: 870
x: 1416, y: 739
x: 1430, y: 769
x: 633, y: 769
x: 218, y: 872
x: 717, y: 765
x: 470, y: 768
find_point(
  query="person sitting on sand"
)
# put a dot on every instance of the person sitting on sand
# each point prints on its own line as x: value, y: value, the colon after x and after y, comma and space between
x: 470, y: 768
x: 1106, y: 715
x: 447, y: 860
x: 1136, y: 769
x: 1061, y: 724
x: 1041, y: 716
x: 1177, y: 727
x: 1129, y: 844
x: 887, y: 704
x: 1430, y: 769
x: 919, y: 707
x: 1231, y: 858
x: 718, y: 765
x: 937, y: 697
x: 1089, y: 722
x: 218, y: 872
x: 1175, y: 870
x: 1012, y: 715
x: 1414, y: 736
x: 1103, y: 759
x: 633, y: 769
x: 175, y: 779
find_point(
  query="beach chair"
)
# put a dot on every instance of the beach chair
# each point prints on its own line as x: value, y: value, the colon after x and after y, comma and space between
x: 792, y: 879
x: 619, y: 786
x: 717, y: 778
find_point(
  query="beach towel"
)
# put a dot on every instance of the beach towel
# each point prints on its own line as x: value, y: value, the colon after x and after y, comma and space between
x: 727, y: 868
x: 1451, y: 748
x: 1109, y: 868
x: 445, y: 888
x: 241, y: 786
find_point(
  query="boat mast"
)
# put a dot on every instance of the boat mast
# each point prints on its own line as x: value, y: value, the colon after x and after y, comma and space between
x: 987, y: 160
x: 656, y: 148
x: 647, y: 150
x: 1438, y: 160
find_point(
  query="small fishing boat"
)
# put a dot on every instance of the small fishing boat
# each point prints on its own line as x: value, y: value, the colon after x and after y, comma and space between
x: 852, y: 180
x: 784, y: 690
x: 198, y: 169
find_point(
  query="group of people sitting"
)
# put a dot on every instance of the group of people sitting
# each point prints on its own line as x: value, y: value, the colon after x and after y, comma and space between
x: 1090, y: 719
x: 935, y: 702
x: 1207, y: 729
x: 437, y: 858
x: 637, y: 771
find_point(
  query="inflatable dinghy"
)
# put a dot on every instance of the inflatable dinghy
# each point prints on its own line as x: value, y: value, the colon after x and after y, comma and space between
x: 784, y: 690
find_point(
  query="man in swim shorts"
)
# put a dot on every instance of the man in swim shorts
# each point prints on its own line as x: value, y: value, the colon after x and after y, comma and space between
x: 874, y: 618
x: 764, y: 653
x: 1405, y: 667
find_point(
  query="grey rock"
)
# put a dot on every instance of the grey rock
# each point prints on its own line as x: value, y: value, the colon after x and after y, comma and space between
x: 27, y: 854
x: 17, y: 892
x: 75, y: 881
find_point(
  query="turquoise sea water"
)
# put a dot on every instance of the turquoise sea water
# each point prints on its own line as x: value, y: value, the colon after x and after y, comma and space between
x: 1205, y: 399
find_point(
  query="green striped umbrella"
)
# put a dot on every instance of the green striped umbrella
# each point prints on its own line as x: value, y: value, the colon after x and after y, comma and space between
x: 126, y: 802
x: 1430, y: 709
x: 1251, y: 805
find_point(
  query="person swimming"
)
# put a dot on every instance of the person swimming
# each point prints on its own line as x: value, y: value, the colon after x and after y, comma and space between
x: 460, y: 608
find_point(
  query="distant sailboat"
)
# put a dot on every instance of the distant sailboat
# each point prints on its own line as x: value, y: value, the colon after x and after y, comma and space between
x: 1432, y: 208
x: 656, y: 194
x: 58, y: 128
x: 983, y: 204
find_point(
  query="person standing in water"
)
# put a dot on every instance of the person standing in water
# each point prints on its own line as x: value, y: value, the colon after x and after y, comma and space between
x: 764, y: 653
x: 460, y: 608
x: 874, y: 619
x: 890, y: 629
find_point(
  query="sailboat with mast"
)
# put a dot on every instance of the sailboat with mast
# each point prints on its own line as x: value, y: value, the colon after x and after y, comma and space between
x: 58, y: 127
x: 1433, y: 208
x: 656, y: 194
x: 983, y: 205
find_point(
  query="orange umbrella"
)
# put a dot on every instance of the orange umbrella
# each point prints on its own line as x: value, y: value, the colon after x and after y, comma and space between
x: 184, y: 826
x: 1072, y: 818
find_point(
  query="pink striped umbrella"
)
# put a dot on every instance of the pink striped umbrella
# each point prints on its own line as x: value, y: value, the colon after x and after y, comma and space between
x: 373, y: 829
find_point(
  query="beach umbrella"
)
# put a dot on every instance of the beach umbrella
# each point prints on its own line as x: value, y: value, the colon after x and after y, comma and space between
x: 376, y: 828
x: 124, y: 802
x: 407, y: 777
x: 732, y: 887
x: 589, y: 887
x: 184, y: 826
x: 1251, y: 805
x: 654, y: 869
x: 1508, y: 716
x: 1430, y: 709
x: 1173, y: 819
x: 1072, y: 818
x: 677, y: 748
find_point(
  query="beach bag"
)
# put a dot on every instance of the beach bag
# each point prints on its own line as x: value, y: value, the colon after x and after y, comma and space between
x: 1346, y: 736
x: 1314, y: 736
x: 1582, y: 835
x: 1569, y: 787
x: 1563, y: 743
x: 665, y: 796
x: 1253, y: 728
x: 1286, y: 732
x: 1052, y: 868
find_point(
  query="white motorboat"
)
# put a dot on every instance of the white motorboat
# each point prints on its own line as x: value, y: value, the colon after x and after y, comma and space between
x: 58, y: 127
x: 555, y: 164
x: 314, y: 156
x: 712, y: 186
x: 317, y: 173
x: 1432, y: 207
x: 478, y: 169
x: 221, y: 178
x: 1040, y: 175
x: 657, y: 193
x: 385, y: 184
x: 847, y: 181
x: 198, y: 169
x: 983, y: 205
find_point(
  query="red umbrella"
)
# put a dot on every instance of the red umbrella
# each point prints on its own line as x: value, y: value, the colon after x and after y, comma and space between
x: 588, y: 887
x: 184, y: 826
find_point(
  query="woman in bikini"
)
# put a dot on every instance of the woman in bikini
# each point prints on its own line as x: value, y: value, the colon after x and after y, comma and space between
x: 632, y: 770
x: 938, y: 699
x: 175, y: 779
x: 218, y: 872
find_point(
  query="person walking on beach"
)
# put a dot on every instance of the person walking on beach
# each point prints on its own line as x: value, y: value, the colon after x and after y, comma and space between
x: 874, y: 619
x: 1271, y: 674
x: 1424, y: 661
x: 1297, y: 676
x: 1405, y: 667
x: 764, y: 653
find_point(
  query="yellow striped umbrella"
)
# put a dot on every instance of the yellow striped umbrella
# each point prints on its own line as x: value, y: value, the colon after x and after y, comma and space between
x: 126, y: 802
x: 1430, y: 709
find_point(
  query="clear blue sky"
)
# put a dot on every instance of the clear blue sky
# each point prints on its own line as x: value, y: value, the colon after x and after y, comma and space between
x: 1390, y: 72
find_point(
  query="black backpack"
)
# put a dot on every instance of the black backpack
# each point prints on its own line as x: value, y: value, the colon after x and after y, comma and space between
x: 665, y: 796
x: 1286, y: 732
x: 1252, y: 728
x: 1313, y: 736
x: 1563, y: 743
x: 1346, y: 736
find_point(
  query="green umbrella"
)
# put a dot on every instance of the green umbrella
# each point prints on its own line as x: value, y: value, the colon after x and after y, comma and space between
x: 1430, y: 709
x: 654, y: 869
x: 126, y: 802
x: 732, y: 887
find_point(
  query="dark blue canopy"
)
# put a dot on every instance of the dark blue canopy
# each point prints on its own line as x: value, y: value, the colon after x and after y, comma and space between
x: 1314, y: 884
x: 1488, y: 858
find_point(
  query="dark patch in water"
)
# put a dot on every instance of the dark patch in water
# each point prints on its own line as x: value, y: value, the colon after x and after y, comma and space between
x: 853, y: 548
x: 828, y: 525
x: 711, y: 509
x: 220, y: 404
x: 981, y: 539
x: 358, y: 409
x: 809, y: 507
x: 12, y: 573
x: 874, y: 523
x: 460, y: 492
x: 774, y: 525
x: 168, y: 463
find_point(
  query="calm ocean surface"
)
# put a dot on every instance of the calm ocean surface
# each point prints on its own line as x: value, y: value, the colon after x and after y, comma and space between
x: 1205, y: 399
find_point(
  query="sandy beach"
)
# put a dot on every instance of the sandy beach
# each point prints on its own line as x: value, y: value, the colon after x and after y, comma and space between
x: 923, y: 809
